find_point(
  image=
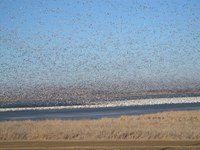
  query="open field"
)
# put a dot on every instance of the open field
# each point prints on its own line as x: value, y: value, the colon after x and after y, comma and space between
x: 168, y: 130
x: 180, y: 125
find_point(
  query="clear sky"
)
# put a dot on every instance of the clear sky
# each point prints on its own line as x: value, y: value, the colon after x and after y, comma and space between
x: 67, y: 42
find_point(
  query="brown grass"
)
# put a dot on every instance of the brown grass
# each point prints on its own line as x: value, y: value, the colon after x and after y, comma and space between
x: 182, y: 125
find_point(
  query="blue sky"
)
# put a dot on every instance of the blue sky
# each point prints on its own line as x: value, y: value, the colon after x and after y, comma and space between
x: 67, y: 42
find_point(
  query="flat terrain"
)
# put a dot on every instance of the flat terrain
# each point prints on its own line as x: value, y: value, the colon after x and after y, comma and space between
x: 157, y: 145
x: 167, y: 130
x: 177, y: 125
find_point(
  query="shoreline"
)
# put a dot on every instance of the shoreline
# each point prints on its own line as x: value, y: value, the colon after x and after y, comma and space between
x: 141, y: 102
x: 174, y: 125
x: 95, y: 113
x: 166, y: 130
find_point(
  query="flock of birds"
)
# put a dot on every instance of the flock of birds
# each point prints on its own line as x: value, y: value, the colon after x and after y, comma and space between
x: 107, y: 45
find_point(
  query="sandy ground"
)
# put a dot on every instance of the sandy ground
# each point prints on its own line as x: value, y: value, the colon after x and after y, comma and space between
x: 167, y: 130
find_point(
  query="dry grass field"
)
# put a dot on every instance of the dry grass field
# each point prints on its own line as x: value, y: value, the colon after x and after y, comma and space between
x: 180, y: 125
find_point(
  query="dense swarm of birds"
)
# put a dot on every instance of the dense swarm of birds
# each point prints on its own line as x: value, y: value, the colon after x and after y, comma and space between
x: 80, y: 50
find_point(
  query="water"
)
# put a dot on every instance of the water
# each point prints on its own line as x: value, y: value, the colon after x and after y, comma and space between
x: 12, y: 110
x: 94, y: 113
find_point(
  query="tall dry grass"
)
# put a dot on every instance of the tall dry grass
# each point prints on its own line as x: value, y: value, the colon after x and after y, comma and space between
x: 162, y: 126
